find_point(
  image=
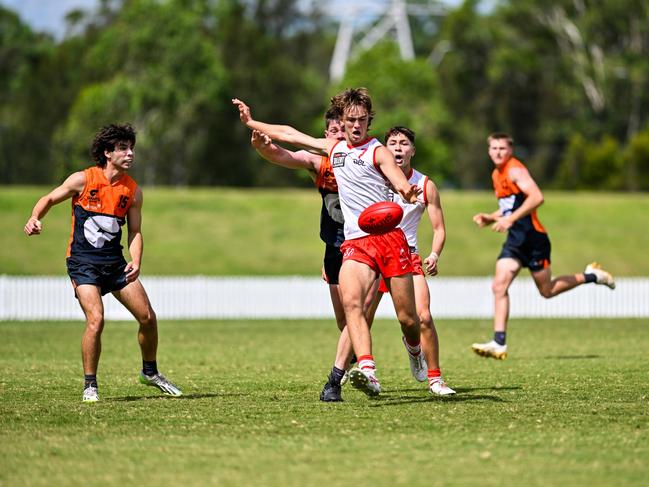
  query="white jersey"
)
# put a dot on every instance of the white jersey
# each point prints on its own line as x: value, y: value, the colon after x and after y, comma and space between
x: 412, y: 212
x: 360, y: 181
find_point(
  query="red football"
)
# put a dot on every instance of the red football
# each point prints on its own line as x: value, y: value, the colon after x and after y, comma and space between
x: 380, y: 217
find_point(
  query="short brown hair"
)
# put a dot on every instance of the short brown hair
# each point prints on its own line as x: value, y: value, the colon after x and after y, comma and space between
x: 400, y: 130
x: 331, y: 115
x: 501, y: 136
x: 353, y: 97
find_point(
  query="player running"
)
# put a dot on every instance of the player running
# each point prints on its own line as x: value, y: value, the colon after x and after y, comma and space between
x: 527, y: 243
x: 361, y: 165
x: 104, y: 198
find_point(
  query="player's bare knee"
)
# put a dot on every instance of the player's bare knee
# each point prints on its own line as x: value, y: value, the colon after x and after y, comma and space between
x: 426, y: 320
x: 546, y: 292
x: 94, y: 323
x: 148, y: 319
x: 499, y: 288
x: 408, y: 320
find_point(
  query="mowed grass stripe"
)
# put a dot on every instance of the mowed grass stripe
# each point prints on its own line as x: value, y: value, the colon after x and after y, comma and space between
x: 568, y: 407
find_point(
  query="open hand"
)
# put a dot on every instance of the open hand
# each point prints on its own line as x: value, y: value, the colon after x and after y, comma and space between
x: 244, y: 111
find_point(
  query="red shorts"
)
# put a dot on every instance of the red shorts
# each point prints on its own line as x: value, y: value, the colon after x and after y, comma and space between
x: 388, y: 254
x: 417, y: 270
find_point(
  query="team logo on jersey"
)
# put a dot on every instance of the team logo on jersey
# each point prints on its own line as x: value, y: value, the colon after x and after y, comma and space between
x: 93, y: 199
x: 358, y: 162
x: 100, y: 229
x: 338, y: 159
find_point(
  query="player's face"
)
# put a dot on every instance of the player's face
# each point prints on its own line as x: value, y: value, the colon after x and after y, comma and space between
x: 335, y: 130
x: 402, y: 149
x: 356, y: 120
x: 500, y: 151
x: 121, y: 156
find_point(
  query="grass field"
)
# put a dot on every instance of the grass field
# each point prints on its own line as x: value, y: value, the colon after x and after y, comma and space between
x: 569, y: 407
x: 275, y: 232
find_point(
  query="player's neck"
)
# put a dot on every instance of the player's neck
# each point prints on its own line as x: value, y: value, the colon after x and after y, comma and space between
x: 113, y: 173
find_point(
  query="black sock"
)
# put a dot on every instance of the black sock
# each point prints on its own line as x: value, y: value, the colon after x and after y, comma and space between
x: 149, y: 368
x: 336, y: 375
x: 353, y: 360
x: 90, y: 380
x: 590, y: 277
x: 500, y: 337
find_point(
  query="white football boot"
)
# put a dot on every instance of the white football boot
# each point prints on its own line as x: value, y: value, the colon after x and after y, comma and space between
x: 418, y: 366
x: 603, y: 277
x: 90, y: 394
x: 365, y: 381
x: 490, y: 349
x: 438, y: 387
x: 161, y: 382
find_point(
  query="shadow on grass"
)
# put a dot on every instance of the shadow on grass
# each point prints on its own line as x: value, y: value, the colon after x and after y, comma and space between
x: 398, y: 397
x: 170, y: 398
x: 572, y: 357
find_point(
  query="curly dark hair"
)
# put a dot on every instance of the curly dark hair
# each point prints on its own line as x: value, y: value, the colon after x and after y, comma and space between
x: 107, y: 138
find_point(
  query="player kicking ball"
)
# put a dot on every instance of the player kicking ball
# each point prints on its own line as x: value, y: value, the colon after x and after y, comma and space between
x: 104, y: 198
x: 361, y: 165
x: 527, y: 243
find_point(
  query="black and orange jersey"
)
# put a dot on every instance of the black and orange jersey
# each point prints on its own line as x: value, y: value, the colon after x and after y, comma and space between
x: 98, y: 214
x: 511, y: 197
x: 331, y: 215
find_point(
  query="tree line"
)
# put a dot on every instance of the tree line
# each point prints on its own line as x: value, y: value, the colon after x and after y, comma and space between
x: 567, y: 79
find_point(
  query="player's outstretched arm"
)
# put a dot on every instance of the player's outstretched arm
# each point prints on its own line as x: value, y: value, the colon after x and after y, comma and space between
x: 385, y: 161
x: 275, y: 154
x: 436, y: 217
x: 73, y: 185
x: 282, y: 133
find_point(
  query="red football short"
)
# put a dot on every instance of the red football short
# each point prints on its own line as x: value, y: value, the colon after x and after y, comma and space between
x: 388, y: 254
x: 417, y: 270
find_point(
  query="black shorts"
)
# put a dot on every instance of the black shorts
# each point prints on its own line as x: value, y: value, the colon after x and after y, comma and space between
x: 108, y: 277
x: 533, y: 251
x: 333, y: 260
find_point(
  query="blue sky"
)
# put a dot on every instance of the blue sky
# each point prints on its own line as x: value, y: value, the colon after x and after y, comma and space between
x: 49, y: 15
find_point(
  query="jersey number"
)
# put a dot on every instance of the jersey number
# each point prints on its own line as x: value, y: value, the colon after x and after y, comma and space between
x: 123, y: 201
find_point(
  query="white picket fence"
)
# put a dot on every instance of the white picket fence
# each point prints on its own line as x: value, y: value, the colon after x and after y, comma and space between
x: 200, y: 297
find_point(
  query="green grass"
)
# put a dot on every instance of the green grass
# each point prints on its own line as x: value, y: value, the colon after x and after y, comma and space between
x: 275, y: 232
x: 569, y: 407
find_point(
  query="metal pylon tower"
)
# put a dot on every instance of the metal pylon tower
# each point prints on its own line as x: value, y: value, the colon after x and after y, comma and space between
x: 393, y: 19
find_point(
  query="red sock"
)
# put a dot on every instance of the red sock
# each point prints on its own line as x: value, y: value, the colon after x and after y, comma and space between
x: 434, y: 373
x: 366, y: 362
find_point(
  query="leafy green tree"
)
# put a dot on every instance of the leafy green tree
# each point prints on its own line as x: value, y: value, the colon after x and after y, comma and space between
x: 25, y: 59
x: 405, y: 93
x: 636, y: 162
x: 592, y: 166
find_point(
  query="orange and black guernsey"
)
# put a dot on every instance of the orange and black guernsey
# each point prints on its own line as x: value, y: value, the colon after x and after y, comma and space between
x: 511, y: 197
x: 98, y: 214
x: 331, y: 215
